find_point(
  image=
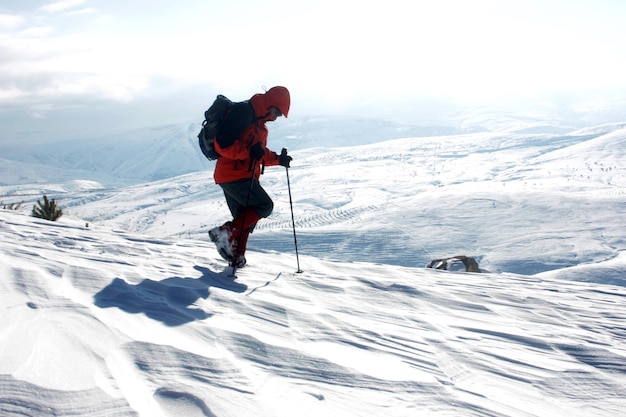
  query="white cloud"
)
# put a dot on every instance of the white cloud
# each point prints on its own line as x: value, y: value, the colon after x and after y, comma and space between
x: 87, y: 10
x: 344, y: 54
x: 80, y: 66
x: 37, y: 32
x: 61, y: 6
x: 10, y: 93
x: 10, y: 22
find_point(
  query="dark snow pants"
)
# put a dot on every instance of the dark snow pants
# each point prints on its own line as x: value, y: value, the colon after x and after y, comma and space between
x: 237, y: 192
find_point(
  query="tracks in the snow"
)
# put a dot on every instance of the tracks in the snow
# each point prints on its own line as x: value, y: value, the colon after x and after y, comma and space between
x: 320, y: 219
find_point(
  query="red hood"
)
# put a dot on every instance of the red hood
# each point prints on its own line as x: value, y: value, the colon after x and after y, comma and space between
x: 276, y: 96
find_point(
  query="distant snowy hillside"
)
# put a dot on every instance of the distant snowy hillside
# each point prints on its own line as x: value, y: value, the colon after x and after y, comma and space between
x: 167, y: 151
x: 139, y: 155
x: 20, y: 175
x: 519, y: 203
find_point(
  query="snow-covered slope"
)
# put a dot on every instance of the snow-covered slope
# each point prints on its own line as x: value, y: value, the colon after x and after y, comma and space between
x: 521, y: 203
x: 102, y: 323
x: 122, y: 308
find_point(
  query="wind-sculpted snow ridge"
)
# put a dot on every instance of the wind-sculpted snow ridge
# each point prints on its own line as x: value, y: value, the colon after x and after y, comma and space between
x: 95, y: 322
x: 20, y: 398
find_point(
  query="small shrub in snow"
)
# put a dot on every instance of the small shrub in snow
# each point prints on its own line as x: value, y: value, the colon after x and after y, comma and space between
x: 12, y: 206
x: 48, y: 210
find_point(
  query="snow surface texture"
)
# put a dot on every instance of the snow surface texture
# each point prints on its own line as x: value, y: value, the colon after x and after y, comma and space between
x: 123, y: 307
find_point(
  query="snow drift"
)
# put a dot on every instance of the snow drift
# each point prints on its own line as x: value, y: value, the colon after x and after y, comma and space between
x: 123, y: 308
x: 97, y: 322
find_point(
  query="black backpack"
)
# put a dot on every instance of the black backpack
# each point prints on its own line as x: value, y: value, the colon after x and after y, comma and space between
x: 212, y: 120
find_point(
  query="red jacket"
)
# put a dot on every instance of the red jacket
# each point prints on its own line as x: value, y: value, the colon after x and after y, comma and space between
x: 243, y: 127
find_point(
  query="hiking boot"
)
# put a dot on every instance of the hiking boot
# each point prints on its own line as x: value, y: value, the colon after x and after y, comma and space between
x: 222, y: 236
x: 238, y: 262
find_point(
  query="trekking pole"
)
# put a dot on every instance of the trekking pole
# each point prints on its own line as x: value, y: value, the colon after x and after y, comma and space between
x: 293, y: 221
x: 243, y: 220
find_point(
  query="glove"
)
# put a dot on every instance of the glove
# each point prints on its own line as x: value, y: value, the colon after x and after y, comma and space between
x: 257, y: 151
x: 284, y: 159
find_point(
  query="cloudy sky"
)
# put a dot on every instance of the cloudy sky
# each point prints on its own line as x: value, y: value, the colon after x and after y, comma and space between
x: 143, y: 62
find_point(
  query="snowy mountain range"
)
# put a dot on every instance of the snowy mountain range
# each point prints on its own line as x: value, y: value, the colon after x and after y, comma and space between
x: 153, y: 153
x: 124, y: 308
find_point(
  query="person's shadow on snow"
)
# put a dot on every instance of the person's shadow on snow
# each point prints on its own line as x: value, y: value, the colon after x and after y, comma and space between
x: 170, y: 300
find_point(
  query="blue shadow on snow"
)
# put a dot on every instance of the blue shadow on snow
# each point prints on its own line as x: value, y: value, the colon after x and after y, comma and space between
x: 170, y: 300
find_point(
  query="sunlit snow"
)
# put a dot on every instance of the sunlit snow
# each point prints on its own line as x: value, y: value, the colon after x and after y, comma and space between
x: 124, y: 308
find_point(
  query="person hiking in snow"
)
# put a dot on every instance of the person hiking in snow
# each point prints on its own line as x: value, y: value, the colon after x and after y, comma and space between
x: 242, y: 143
